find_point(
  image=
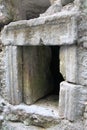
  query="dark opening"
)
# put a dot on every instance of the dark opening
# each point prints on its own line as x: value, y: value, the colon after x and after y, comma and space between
x: 55, y: 69
x: 41, y: 73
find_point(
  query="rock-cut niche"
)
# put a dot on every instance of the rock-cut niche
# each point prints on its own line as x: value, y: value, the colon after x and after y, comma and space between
x: 41, y: 72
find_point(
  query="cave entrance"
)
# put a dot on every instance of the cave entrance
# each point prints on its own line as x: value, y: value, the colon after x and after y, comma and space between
x: 41, y: 73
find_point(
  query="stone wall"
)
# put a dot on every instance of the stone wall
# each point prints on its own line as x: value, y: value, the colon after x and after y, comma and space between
x: 63, y: 24
x: 85, y: 116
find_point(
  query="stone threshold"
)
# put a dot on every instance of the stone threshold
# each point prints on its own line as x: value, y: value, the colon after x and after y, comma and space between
x: 43, y: 113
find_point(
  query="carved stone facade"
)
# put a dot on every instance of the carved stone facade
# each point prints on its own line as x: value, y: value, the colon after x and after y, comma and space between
x: 43, y: 69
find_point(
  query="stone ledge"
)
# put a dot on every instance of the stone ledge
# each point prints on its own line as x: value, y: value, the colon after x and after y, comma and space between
x: 64, y: 125
x: 44, y: 113
x: 58, y: 29
x: 19, y: 126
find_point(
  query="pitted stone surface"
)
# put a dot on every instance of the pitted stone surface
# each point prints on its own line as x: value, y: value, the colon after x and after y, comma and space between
x: 44, y: 113
x: 64, y: 28
x: 59, y: 29
x: 64, y: 125
x: 63, y: 2
x: 72, y: 98
x: 73, y: 60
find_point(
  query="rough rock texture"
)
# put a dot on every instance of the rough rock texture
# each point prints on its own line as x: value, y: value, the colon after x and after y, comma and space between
x: 63, y: 2
x: 11, y: 10
x: 62, y: 30
x: 72, y: 98
x: 3, y: 88
x: 74, y: 70
x: 63, y: 24
x: 19, y: 126
x: 6, y: 14
x: 43, y: 113
x: 64, y: 125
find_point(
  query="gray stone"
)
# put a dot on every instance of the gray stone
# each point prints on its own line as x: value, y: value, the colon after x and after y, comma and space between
x: 82, y: 30
x: 85, y: 115
x: 5, y: 12
x: 63, y: 2
x: 86, y: 107
x: 40, y: 114
x: 59, y: 29
x: 64, y: 125
x: 62, y: 57
x: 85, y: 124
x: 13, y: 77
x: 37, y: 78
x: 11, y: 10
x: 19, y: 126
x: 82, y: 4
x: 73, y: 64
x: 71, y: 101
x: 3, y: 88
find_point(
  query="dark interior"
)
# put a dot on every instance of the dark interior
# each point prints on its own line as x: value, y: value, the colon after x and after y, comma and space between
x: 55, y: 69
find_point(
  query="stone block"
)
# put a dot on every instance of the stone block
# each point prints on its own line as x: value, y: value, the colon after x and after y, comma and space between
x: 5, y: 12
x: 62, y: 57
x: 73, y: 60
x: 59, y: 29
x: 19, y: 126
x: 71, y: 101
x: 86, y: 107
x: 85, y: 115
x: 37, y: 78
x: 63, y: 2
x: 13, y: 77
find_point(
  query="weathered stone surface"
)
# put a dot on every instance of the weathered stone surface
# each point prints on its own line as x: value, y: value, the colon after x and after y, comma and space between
x: 81, y: 4
x: 11, y: 10
x: 62, y: 57
x: 85, y: 115
x: 58, y: 29
x: 13, y: 77
x: 63, y: 2
x: 19, y: 126
x: 68, y: 63
x: 86, y: 108
x: 37, y: 78
x: 74, y: 68
x: 3, y: 88
x: 44, y: 113
x: 85, y: 124
x: 32, y: 8
x: 64, y: 125
x: 71, y: 101
x: 5, y: 15
x: 82, y: 30
x: 1, y: 120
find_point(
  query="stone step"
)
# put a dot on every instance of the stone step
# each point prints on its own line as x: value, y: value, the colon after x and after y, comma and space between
x: 18, y: 126
x: 44, y: 113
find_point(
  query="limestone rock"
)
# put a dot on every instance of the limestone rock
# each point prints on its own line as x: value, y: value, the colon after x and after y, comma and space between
x: 59, y: 29
x: 19, y: 126
x: 11, y: 10
x: 64, y: 125
x: 6, y: 15
x: 72, y: 98
x: 74, y: 68
x: 32, y: 115
x: 63, y: 2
